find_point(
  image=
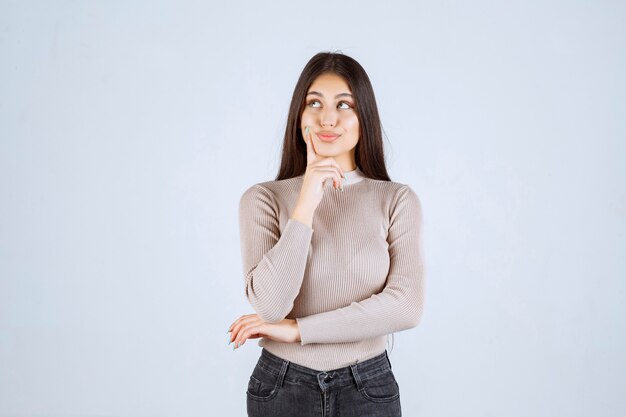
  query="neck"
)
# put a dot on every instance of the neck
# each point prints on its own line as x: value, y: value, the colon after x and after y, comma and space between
x: 346, y: 161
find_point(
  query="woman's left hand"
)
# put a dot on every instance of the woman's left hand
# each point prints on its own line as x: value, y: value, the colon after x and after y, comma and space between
x: 251, y: 326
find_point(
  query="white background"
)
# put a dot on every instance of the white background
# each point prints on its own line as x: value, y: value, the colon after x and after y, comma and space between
x: 129, y: 130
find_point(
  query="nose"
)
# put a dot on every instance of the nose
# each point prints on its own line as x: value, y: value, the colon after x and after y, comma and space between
x: 329, y: 117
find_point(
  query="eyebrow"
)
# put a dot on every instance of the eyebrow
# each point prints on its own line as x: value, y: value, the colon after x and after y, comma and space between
x: 322, y: 95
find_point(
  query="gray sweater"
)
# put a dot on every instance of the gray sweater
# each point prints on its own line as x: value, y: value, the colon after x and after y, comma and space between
x: 351, y: 279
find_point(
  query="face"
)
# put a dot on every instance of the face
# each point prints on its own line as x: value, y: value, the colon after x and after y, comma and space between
x: 329, y: 109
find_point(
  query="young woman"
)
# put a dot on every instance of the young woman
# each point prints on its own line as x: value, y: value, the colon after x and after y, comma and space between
x: 332, y: 256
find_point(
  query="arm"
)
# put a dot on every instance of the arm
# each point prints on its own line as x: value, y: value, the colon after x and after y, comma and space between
x: 399, y: 306
x: 273, y: 264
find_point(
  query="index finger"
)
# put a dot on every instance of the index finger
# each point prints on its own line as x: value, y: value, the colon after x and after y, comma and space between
x: 311, y: 154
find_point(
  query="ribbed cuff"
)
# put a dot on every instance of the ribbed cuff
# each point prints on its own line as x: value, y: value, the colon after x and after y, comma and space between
x: 307, y: 327
x: 301, y: 227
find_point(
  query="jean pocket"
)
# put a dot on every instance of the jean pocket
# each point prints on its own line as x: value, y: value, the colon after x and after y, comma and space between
x: 381, y: 388
x: 263, y: 385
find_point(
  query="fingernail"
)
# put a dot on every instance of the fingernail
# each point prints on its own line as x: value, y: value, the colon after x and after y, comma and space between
x: 341, y: 187
x: 306, y: 131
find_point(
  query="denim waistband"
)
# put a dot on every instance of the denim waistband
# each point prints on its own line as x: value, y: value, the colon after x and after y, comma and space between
x: 348, y: 375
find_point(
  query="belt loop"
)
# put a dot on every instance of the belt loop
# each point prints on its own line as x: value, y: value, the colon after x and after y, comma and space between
x: 357, y: 378
x: 283, y: 371
x: 388, y: 360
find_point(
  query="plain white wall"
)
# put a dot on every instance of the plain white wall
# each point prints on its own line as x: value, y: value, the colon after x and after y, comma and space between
x: 129, y: 130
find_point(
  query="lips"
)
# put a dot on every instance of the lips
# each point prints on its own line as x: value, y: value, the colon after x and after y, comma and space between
x: 327, y: 136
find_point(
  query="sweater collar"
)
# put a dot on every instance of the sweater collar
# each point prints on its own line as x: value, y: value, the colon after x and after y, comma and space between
x: 352, y: 177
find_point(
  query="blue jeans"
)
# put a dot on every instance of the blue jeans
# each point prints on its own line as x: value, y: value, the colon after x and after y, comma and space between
x: 279, y: 388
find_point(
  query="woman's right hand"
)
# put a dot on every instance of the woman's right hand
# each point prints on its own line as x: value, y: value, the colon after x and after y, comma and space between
x: 318, y: 171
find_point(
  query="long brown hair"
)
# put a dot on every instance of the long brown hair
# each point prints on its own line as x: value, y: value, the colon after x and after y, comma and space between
x: 369, y: 151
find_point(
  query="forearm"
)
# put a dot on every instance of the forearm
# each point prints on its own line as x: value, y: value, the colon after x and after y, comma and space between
x: 395, y: 309
x: 274, y: 282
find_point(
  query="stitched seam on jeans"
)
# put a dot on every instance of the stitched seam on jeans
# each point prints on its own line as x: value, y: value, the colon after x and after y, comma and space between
x: 366, y: 377
x: 271, y: 371
x: 378, y: 399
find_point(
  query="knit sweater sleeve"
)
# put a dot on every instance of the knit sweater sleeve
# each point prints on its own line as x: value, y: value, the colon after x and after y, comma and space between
x: 399, y: 305
x: 273, y: 262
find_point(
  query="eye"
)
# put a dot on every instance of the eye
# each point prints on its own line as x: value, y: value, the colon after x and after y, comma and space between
x: 345, y: 103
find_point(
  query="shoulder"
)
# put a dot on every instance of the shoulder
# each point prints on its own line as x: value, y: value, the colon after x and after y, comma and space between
x: 395, y: 191
x: 268, y: 191
x: 402, y: 198
x: 405, y: 192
